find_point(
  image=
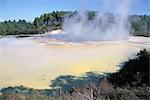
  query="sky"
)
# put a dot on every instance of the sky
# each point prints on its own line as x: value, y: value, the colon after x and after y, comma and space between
x: 29, y: 9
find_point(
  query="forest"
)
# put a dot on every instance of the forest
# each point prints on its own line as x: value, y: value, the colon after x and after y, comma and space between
x: 140, y: 24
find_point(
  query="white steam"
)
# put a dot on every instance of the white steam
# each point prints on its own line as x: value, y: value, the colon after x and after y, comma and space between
x: 104, y: 26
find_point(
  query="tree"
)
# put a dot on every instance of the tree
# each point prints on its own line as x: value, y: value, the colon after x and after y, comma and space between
x: 134, y: 72
x: 140, y: 25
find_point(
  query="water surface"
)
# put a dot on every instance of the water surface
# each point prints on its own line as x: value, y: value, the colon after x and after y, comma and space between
x: 33, y: 62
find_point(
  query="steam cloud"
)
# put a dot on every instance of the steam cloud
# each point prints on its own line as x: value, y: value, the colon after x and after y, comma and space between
x: 105, y: 26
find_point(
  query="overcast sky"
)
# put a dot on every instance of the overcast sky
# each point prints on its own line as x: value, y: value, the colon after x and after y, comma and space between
x: 29, y: 9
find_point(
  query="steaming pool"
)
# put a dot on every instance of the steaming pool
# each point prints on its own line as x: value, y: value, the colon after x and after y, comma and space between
x: 33, y: 62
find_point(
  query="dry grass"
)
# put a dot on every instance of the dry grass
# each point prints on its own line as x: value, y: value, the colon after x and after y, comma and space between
x: 105, y: 91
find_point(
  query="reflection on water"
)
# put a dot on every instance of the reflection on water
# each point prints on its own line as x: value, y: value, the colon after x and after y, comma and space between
x: 32, y: 63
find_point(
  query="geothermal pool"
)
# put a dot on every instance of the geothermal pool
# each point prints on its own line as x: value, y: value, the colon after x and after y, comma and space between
x: 33, y: 62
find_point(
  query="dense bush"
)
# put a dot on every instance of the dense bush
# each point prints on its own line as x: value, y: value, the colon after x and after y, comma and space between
x: 134, y: 72
x: 13, y: 27
x: 140, y: 24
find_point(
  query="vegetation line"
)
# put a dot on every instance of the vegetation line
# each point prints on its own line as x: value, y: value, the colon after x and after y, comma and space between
x: 52, y: 21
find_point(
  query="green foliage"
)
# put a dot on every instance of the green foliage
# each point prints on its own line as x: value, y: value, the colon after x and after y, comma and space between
x: 134, y: 72
x: 140, y: 25
x: 13, y: 27
x: 67, y: 82
x: 105, y: 91
x: 49, y: 21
